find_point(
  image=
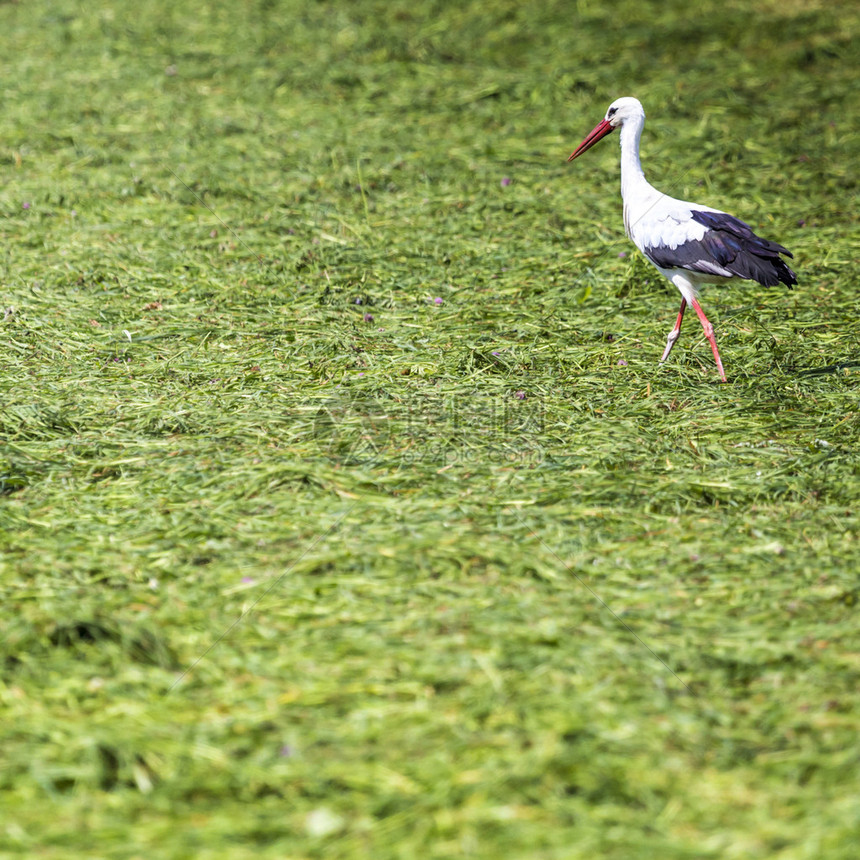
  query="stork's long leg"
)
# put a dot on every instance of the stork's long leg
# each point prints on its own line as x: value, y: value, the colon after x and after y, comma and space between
x: 709, y: 334
x: 673, y: 335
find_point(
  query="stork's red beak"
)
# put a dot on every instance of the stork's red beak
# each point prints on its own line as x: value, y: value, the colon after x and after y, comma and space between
x: 599, y: 131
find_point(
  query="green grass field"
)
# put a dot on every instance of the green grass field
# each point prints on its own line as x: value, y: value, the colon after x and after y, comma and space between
x: 345, y: 510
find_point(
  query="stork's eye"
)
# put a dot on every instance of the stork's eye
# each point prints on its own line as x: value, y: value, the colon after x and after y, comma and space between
x: 612, y: 112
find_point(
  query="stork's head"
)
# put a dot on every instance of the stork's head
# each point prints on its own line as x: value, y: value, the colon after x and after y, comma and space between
x: 622, y: 110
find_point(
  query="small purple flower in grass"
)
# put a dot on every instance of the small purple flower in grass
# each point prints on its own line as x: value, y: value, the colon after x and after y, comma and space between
x: 247, y: 580
x: 506, y: 181
x: 520, y: 395
x: 358, y: 301
x: 285, y: 751
x: 622, y: 255
x: 622, y: 362
x: 801, y: 222
x: 438, y: 300
x: 25, y: 205
x: 496, y: 352
x: 368, y: 317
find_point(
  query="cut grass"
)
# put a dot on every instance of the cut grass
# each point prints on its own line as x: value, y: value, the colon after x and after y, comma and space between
x: 298, y: 561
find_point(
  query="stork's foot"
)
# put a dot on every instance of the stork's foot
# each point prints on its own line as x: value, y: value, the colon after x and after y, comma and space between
x: 674, y: 334
x: 670, y: 342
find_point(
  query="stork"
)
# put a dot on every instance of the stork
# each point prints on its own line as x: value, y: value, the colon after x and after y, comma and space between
x: 687, y: 243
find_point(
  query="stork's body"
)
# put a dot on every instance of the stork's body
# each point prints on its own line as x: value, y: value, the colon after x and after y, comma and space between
x: 688, y: 243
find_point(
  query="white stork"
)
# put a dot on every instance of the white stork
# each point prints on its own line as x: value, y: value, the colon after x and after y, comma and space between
x: 690, y: 244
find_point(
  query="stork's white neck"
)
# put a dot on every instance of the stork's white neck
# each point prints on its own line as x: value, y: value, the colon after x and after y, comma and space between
x: 635, y: 189
x: 631, y: 167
